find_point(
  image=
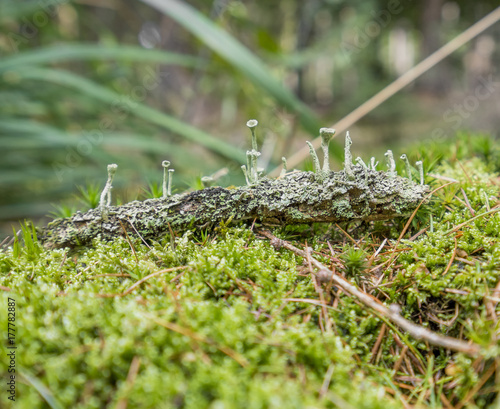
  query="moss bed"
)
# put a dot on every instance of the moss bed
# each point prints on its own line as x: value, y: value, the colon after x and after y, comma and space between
x: 222, y: 319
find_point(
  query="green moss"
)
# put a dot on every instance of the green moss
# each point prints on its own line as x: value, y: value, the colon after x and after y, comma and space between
x: 73, y: 341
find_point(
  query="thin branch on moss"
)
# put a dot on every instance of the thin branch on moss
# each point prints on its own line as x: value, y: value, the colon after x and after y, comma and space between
x: 400, y: 360
x: 317, y: 286
x: 109, y: 275
x: 392, y: 313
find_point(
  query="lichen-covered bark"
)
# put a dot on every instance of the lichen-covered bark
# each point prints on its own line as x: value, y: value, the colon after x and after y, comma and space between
x: 301, y: 197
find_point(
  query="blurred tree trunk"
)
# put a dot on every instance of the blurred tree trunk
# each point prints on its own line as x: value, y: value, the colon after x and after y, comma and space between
x: 436, y: 81
x: 305, y: 33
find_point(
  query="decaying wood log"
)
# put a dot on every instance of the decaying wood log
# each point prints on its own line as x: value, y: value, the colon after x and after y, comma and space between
x: 298, y: 197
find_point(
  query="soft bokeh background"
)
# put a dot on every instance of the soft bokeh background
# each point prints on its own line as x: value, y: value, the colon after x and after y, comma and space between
x: 90, y: 82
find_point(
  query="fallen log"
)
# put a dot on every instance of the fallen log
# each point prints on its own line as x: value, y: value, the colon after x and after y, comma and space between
x: 360, y: 193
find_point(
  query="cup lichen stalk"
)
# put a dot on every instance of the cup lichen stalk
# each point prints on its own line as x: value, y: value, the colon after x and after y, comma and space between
x: 420, y: 167
x: 207, y: 181
x: 105, y: 200
x: 284, y: 169
x: 165, y: 164
x: 391, y: 164
x: 254, y: 153
x: 244, y: 169
x: 407, y: 166
x: 169, y: 184
x: 326, y: 135
x: 348, y: 157
x: 360, y: 162
x: 314, y: 157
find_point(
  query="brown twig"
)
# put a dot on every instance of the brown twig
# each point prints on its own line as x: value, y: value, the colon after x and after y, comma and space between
x: 489, y: 306
x: 411, y: 354
x: 110, y: 275
x: 465, y: 172
x: 448, y: 323
x: 142, y: 238
x: 346, y: 234
x: 12, y: 240
x: 412, y: 238
x: 392, y: 313
x: 319, y: 290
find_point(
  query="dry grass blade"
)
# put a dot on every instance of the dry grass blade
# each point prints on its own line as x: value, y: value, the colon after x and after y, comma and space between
x: 473, y: 391
x: 376, y: 347
x: 138, y: 283
x: 131, y: 376
x: 198, y: 337
x: 451, y: 258
x: 400, y: 360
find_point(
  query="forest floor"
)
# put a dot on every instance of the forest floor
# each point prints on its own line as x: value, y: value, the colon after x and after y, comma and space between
x: 245, y: 317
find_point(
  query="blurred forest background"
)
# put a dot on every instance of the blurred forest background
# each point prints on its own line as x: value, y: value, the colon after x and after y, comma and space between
x: 85, y: 83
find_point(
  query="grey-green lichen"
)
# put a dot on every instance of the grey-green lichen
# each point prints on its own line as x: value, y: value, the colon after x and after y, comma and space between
x: 299, y: 197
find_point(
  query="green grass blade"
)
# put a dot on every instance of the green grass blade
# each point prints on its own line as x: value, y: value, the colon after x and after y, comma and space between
x: 78, y: 52
x: 15, y: 9
x: 47, y: 395
x: 103, y: 94
x: 35, y: 135
x: 237, y: 55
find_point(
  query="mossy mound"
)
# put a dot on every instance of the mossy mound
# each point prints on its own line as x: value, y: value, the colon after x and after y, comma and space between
x: 223, y: 319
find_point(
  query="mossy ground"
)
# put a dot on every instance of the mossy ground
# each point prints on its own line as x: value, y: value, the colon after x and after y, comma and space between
x: 241, y: 326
